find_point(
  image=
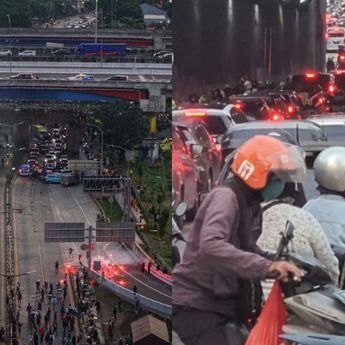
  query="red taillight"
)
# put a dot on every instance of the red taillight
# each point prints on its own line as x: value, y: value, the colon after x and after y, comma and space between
x: 20, y: 170
x: 190, y: 113
x: 331, y: 88
x: 219, y: 147
x: 342, y: 57
x: 277, y: 117
x: 310, y: 75
x: 326, y: 36
x: 290, y: 109
x: 239, y: 105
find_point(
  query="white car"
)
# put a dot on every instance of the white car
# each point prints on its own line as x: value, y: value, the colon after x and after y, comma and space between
x: 5, y: 52
x: 335, y: 38
x: 27, y: 53
x: 82, y: 77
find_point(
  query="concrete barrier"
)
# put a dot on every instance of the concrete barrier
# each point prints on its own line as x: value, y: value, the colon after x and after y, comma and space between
x: 127, y: 295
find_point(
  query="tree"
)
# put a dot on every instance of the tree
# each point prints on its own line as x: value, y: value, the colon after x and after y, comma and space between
x: 163, y: 222
x: 123, y: 124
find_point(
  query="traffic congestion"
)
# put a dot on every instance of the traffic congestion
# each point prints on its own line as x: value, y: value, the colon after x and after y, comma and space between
x: 47, y: 158
x: 258, y: 197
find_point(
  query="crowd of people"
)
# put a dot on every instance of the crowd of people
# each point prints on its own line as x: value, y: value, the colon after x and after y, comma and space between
x: 245, y: 85
x: 50, y: 316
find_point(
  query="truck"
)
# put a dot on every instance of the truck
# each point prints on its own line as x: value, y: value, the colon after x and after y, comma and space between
x: 71, y: 179
x: 91, y: 49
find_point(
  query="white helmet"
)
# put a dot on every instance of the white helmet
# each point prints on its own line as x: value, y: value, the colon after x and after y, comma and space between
x: 329, y: 167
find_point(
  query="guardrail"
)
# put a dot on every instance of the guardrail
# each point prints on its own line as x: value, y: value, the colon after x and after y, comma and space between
x: 113, y: 32
x: 74, y: 58
x: 127, y: 295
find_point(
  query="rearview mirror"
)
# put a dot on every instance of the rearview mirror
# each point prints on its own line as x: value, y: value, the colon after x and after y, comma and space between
x: 219, y: 139
x: 181, y: 209
x: 196, y: 149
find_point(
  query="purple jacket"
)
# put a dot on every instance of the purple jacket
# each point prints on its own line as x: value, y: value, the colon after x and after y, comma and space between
x: 207, y: 279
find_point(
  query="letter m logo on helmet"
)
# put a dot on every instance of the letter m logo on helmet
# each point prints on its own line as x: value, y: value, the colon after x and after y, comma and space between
x: 246, y: 170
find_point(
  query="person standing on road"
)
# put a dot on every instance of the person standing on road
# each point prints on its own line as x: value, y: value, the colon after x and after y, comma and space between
x: 64, y: 293
x: 217, y: 284
x: 28, y: 309
x: 56, y: 266
x: 35, y: 338
x: 114, y: 313
x: 149, y: 267
x: 143, y: 268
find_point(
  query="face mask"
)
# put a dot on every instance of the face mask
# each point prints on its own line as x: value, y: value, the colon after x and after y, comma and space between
x: 272, y: 190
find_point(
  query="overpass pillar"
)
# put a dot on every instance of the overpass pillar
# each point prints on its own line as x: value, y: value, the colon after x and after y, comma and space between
x: 156, y: 101
x: 158, y: 43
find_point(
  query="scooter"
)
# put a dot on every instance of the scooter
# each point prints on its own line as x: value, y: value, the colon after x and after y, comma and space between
x: 314, y: 304
x: 313, y: 339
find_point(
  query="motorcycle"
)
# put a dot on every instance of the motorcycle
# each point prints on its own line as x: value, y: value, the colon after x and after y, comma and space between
x: 314, y: 304
x: 313, y: 339
x: 176, y: 231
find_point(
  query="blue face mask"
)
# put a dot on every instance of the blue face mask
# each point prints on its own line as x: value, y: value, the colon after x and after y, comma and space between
x: 272, y: 190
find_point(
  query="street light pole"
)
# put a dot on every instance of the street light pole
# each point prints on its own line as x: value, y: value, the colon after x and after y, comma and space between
x: 100, y: 129
x: 96, y: 26
x: 10, y: 38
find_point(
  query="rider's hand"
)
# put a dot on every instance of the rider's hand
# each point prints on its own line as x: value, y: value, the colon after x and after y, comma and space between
x: 284, y: 267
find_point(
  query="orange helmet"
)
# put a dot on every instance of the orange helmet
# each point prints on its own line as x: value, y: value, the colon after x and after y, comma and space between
x: 263, y: 155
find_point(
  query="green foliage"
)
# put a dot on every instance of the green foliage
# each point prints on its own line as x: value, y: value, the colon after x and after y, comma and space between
x: 163, y: 222
x: 19, y: 11
x: 123, y: 124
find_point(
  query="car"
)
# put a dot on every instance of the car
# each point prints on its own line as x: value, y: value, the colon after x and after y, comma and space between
x: 64, y: 161
x: 161, y: 53
x: 24, y: 170
x: 333, y: 124
x: 48, y: 156
x: 334, y: 38
x: 307, y: 85
x: 84, y: 77
x: 217, y: 121
x: 50, y: 165
x: 185, y: 177
x: 53, y: 178
x: 202, y: 149
x: 60, y: 52
x: 5, y: 52
x: 236, y: 114
x: 34, y: 152
x: 24, y: 76
x: 306, y: 134
x: 118, y: 77
x: 32, y: 161
x: 27, y: 53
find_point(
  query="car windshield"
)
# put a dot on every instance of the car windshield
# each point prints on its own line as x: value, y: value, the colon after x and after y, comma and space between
x: 215, y: 124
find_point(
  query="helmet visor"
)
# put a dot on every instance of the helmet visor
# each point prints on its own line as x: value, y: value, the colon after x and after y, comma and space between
x: 288, y: 164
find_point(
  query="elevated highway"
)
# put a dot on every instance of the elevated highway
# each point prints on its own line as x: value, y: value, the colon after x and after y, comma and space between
x: 71, y: 37
x: 150, y: 95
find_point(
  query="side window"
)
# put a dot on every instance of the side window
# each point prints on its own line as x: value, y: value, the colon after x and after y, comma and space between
x: 202, y: 136
x: 237, y: 116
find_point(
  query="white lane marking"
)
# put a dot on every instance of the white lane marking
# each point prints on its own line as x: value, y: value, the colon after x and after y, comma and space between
x: 81, y: 209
